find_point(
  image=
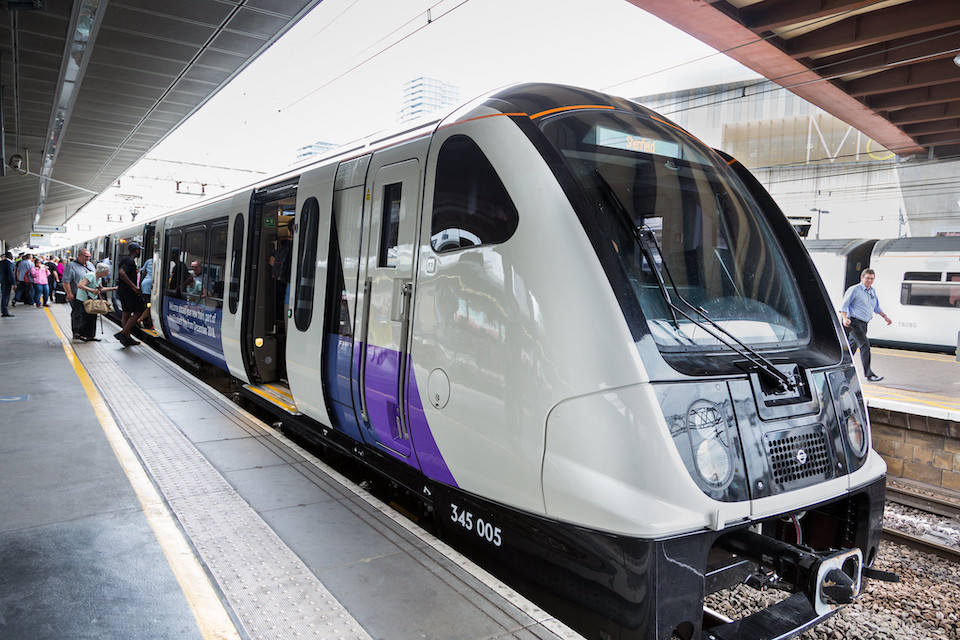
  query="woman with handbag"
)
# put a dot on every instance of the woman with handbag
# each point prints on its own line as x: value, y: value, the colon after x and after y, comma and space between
x: 89, y: 288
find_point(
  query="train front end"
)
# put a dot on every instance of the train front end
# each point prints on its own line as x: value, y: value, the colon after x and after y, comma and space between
x: 744, y: 456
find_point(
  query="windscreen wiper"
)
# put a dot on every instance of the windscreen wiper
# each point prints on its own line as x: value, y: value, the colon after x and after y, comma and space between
x: 640, y: 234
x: 764, y: 365
x: 627, y: 219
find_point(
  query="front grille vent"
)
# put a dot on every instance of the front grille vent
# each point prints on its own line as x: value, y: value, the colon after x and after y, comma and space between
x: 798, y: 457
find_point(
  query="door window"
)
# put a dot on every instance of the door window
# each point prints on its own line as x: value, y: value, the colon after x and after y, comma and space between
x: 236, y: 260
x: 390, y: 225
x: 306, y: 263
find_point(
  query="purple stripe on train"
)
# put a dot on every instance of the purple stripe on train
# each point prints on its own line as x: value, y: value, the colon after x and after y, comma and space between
x: 383, y: 412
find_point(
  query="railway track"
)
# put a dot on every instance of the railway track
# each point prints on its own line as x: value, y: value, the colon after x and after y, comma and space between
x: 945, y: 508
x: 928, y: 504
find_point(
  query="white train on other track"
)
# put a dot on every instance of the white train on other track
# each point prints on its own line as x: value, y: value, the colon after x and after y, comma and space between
x: 918, y: 282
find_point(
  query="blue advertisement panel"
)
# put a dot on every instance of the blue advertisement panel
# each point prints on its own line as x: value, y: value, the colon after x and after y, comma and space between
x: 196, y: 328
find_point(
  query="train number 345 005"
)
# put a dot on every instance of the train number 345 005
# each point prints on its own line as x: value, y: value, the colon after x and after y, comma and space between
x: 468, y: 521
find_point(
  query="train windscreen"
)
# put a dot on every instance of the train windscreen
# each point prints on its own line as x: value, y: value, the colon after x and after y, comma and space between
x: 693, y: 244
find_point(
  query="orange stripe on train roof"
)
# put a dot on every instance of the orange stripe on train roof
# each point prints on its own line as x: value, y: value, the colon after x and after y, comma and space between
x: 571, y: 108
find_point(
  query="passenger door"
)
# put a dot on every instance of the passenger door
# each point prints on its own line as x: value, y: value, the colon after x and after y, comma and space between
x: 386, y: 296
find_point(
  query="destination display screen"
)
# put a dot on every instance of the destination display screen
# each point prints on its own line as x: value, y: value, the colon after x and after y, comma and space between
x: 613, y: 139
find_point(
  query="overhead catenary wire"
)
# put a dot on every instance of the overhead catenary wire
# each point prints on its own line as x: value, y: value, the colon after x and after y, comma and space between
x: 431, y: 20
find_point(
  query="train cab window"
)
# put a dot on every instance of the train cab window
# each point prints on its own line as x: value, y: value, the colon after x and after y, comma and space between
x: 216, y: 265
x: 471, y: 207
x: 236, y: 260
x: 306, y: 263
x: 390, y: 225
x: 671, y: 220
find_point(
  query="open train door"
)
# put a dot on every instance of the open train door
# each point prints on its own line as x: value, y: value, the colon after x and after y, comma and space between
x: 267, y: 291
x: 386, y: 283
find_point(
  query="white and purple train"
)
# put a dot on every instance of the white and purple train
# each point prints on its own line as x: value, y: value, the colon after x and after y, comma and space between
x: 593, y: 346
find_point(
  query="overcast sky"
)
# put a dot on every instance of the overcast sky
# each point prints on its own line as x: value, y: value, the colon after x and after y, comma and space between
x: 337, y: 76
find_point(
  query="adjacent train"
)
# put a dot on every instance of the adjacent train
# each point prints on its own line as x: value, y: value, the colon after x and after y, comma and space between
x: 918, y: 284
x: 592, y: 346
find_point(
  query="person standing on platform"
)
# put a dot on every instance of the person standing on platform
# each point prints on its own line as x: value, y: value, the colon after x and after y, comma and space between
x: 129, y: 294
x: 39, y: 277
x: 860, y: 302
x: 75, y: 270
x: 8, y: 280
x: 24, y: 292
x: 54, y: 277
x: 146, y: 287
x: 89, y: 287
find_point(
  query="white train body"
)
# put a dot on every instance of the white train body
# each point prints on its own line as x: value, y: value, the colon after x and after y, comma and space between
x: 490, y: 309
x: 918, y: 285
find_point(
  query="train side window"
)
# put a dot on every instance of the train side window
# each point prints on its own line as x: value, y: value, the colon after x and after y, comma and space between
x: 195, y: 281
x: 923, y: 276
x: 471, y: 207
x: 306, y: 263
x: 390, y: 225
x: 932, y: 294
x: 236, y: 260
x: 216, y: 264
x: 175, y: 269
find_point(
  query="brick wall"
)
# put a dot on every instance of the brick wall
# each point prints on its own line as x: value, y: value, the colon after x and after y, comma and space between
x: 918, y: 447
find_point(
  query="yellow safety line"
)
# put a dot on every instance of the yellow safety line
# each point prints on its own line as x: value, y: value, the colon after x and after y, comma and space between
x: 280, y: 391
x: 936, y: 357
x: 929, y: 396
x: 212, y: 618
x: 272, y: 398
x: 892, y: 395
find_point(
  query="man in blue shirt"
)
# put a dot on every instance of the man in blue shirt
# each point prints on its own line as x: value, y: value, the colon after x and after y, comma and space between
x: 860, y: 302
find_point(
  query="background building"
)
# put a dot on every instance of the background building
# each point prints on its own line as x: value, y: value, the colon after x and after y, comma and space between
x: 314, y: 149
x: 819, y: 169
x: 422, y: 96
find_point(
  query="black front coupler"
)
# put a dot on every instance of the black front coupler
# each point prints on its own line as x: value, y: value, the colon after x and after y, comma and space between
x: 828, y: 578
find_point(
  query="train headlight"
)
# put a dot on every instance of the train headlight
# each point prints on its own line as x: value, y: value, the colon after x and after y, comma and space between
x: 852, y: 419
x: 710, y: 440
x: 704, y: 430
x: 853, y: 422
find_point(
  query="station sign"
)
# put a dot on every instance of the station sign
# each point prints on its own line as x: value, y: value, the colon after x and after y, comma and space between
x: 48, y: 228
x: 38, y: 239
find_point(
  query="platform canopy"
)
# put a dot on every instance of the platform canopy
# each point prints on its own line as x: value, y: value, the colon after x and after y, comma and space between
x: 890, y: 68
x: 90, y: 86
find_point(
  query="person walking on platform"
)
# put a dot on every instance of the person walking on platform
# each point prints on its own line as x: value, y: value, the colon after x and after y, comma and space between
x: 24, y: 292
x: 89, y: 287
x: 39, y: 279
x: 75, y: 270
x: 129, y: 294
x: 860, y: 302
x: 54, y: 279
x: 8, y: 280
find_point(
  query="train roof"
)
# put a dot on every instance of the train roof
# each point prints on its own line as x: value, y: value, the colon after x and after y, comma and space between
x: 918, y: 245
x: 837, y: 246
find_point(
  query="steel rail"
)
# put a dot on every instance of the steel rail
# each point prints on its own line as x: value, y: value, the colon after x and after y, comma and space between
x: 922, y: 544
x: 941, y: 507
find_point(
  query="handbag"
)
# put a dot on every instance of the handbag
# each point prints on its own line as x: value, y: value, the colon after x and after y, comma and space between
x: 97, y: 306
